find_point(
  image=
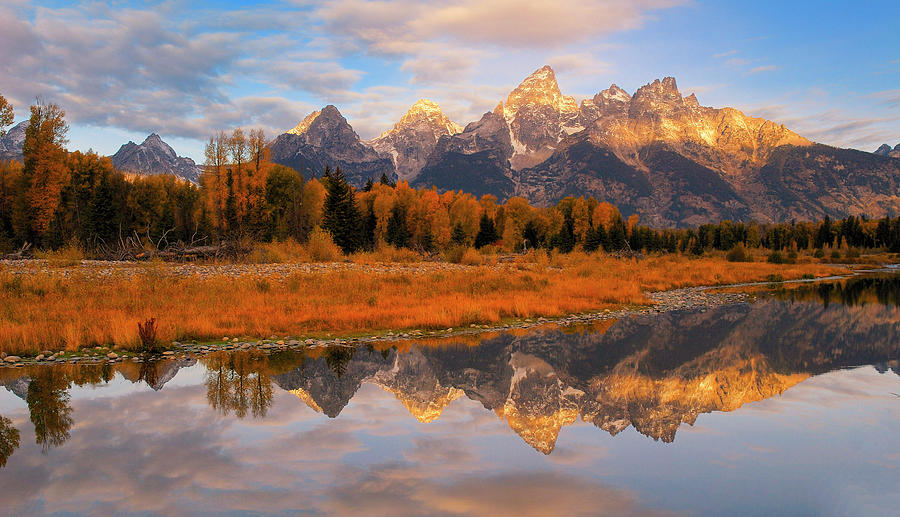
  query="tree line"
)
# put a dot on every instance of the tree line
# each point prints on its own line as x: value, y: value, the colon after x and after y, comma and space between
x: 55, y: 198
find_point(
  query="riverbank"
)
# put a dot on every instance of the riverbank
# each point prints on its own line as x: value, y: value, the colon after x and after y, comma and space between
x: 48, y: 308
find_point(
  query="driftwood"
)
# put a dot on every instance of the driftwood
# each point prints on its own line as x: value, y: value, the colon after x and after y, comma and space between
x: 136, y: 247
x: 23, y: 253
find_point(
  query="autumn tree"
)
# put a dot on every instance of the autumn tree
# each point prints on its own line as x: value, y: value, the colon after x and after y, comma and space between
x: 213, y: 181
x: 6, y: 115
x: 44, y: 170
x: 284, y: 192
x: 312, y: 202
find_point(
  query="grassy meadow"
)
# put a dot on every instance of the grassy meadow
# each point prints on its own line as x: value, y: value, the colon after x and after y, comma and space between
x: 65, y: 307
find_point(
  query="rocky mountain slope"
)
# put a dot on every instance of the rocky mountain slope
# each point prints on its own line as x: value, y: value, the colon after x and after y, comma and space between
x: 11, y: 143
x: 325, y: 138
x: 154, y: 156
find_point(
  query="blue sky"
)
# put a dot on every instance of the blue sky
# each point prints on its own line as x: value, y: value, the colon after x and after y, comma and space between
x: 830, y: 71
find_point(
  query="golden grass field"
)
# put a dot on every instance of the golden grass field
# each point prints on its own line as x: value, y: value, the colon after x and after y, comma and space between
x: 49, y: 310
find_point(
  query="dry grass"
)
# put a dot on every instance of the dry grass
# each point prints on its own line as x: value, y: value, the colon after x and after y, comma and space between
x: 69, y: 255
x: 49, y: 311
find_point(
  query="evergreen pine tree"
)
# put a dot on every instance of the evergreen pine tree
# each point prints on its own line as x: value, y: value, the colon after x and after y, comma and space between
x: 617, y: 240
x: 164, y: 222
x: 426, y: 241
x: 369, y: 227
x: 231, y: 222
x: 564, y: 241
x: 102, y: 216
x: 397, y: 233
x: 592, y: 240
x: 458, y: 236
x: 531, y: 237
x: 487, y: 233
x: 825, y: 235
x: 386, y: 181
x: 368, y: 186
x: 340, y: 216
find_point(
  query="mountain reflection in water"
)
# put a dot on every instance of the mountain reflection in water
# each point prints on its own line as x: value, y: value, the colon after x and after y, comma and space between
x: 651, y: 372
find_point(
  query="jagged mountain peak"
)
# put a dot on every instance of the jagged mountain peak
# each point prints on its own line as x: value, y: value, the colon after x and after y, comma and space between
x: 323, y: 139
x: 657, y: 95
x: 614, y: 92
x: 154, y: 141
x: 538, y: 89
x: 414, y: 136
x: 154, y: 156
x: 538, y: 116
x: 428, y: 113
x: 327, y: 116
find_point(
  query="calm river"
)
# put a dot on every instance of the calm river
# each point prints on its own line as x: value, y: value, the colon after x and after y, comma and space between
x: 786, y: 406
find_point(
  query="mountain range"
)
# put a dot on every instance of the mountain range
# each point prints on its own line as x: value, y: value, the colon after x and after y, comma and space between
x: 654, y: 153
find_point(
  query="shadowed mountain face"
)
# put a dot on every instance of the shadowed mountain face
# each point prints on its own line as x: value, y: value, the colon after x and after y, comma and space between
x: 651, y: 372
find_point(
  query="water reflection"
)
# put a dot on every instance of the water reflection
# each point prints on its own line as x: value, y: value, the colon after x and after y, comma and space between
x: 877, y: 289
x: 9, y: 439
x: 652, y: 373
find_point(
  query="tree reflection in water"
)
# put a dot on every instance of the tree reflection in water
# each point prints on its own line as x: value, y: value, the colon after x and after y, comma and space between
x: 9, y: 440
x: 241, y: 382
x: 48, y: 403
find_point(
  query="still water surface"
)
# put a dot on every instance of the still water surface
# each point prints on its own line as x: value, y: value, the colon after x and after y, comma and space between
x: 786, y: 406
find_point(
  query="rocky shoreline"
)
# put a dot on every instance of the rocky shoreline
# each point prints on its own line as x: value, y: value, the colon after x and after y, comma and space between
x: 99, y: 269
